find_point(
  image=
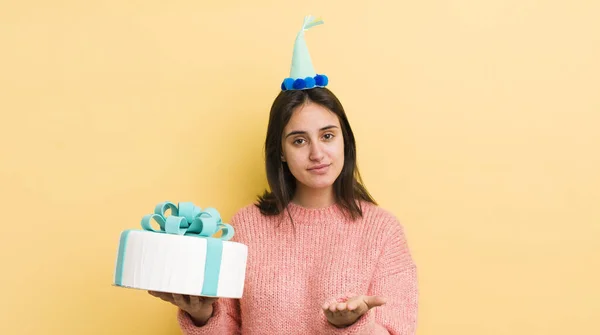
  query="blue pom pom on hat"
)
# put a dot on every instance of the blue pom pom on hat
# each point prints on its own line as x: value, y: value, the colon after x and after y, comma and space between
x: 302, y: 73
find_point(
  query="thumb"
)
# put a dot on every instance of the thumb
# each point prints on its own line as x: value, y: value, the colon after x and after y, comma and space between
x: 374, y: 301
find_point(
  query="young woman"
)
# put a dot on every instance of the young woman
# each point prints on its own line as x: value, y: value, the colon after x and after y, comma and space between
x: 323, y: 257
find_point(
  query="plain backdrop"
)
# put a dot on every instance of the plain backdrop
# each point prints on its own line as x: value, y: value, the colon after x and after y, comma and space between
x: 477, y: 124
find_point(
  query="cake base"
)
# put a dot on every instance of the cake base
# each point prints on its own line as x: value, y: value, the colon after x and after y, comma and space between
x: 180, y: 264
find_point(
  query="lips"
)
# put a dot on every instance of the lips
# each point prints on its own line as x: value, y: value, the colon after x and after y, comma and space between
x: 320, y: 167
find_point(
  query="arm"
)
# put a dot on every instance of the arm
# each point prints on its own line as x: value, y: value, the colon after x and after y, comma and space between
x: 225, y: 319
x: 395, y: 279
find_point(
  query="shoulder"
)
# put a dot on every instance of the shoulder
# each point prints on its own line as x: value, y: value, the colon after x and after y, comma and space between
x: 381, y: 219
x: 391, y: 239
x: 373, y: 213
x: 250, y: 214
x: 248, y: 222
x: 388, y: 240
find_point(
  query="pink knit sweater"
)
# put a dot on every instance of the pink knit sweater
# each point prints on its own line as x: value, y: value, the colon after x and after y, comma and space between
x: 293, y: 269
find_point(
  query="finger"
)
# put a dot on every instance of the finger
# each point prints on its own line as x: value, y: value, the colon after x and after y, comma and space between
x: 180, y: 301
x: 357, y: 305
x: 341, y: 306
x: 352, y: 305
x: 195, y: 302
x: 329, y: 302
x: 374, y: 301
x: 163, y: 296
x: 333, y: 307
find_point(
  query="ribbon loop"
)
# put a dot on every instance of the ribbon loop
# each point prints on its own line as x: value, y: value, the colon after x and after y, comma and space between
x: 189, y: 220
x: 228, y: 232
x: 158, y: 218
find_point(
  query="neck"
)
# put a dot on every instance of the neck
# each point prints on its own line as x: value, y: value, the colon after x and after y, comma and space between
x: 314, y: 198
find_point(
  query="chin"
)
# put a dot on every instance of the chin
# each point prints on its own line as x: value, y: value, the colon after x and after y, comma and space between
x: 319, y: 184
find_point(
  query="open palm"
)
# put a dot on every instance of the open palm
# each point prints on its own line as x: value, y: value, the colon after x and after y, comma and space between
x: 343, y: 314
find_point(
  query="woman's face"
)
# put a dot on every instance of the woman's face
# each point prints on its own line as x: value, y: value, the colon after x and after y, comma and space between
x: 313, y: 146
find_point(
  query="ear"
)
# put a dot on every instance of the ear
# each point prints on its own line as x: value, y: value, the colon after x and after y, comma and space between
x: 282, y: 154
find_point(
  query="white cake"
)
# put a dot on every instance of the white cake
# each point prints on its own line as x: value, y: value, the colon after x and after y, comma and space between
x: 178, y: 261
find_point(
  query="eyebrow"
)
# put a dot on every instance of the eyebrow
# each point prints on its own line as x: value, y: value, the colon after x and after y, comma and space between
x: 296, y: 132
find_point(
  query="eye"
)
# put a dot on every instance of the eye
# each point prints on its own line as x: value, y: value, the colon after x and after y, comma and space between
x: 328, y: 136
x: 298, y: 141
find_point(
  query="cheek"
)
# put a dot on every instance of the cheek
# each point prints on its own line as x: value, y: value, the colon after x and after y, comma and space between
x: 294, y: 160
x: 337, y: 151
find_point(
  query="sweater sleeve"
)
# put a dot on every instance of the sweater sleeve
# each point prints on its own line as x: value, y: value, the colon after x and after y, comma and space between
x: 225, y: 319
x: 395, y: 279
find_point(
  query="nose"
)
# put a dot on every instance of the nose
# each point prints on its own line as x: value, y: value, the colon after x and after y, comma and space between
x: 316, y: 151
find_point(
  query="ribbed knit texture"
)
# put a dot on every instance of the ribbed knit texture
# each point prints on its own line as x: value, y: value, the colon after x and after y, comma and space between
x: 294, y: 268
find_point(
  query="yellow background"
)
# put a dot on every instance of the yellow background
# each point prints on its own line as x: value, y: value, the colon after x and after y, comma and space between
x: 477, y: 125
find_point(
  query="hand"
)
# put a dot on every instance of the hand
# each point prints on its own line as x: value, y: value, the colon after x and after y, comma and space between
x: 343, y: 314
x: 200, y: 309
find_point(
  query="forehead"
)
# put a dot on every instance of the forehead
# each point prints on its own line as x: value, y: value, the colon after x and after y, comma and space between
x: 311, y: 116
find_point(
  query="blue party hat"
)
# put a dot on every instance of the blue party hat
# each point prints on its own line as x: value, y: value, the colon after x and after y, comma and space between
x: 303, y: 74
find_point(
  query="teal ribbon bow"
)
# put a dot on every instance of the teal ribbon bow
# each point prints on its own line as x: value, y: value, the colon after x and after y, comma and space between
x: 190, y: 220
x: 187, y: 219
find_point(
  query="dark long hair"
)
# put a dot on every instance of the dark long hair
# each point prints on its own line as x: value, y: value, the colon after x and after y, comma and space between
x: 348, y: 187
